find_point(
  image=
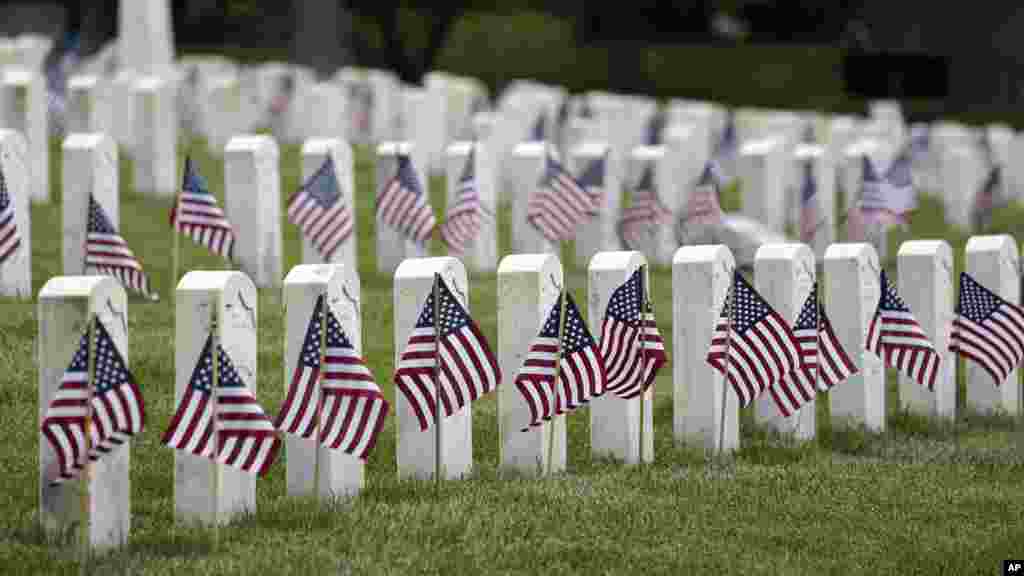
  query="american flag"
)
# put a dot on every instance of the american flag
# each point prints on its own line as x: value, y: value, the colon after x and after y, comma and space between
x: 702, y: 206
x: 196, y: 215
x: 319, y: 210
x: 752, y: 346
x: 113, y: 407
x: 886, y: 201
x: 987, y: 329
x: 810, y: 221
x: 575, y: 359
x: 645, y: 213
x: 537, y: 130
x: 896, y: 337
x: 986, y: 199
x: 108, y: 253
x: 559, y: 204
x: 351, y: 411
x: 452, y: 346
x: 826, y: 363
x: 726, y: 151
x: 402, y: 203
x: 467, y: 215
x: 592, y: 179
x: 654, y: 129
x: 10, y: 240
x: 632, y: 348
x: 242, y: 436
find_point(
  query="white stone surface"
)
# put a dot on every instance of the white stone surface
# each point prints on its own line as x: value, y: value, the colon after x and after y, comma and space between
x: 784, y: 275
x: 926, y: 285
x: 386, y: 108
x: 252, y: 187
x: 65, y: 305
x: 340, y: 474
x: 314, y: 153
x: 762, y: 172
x: 599, y: 234
x: 851, y: 295
x: 962, y: 172
x: 701, y: 277
x: 23, y: 107
x: 145, y: 38
x: 615, y: 424
x: 434, y: 122
x: 824, y: 173
x: 90, y: 105
x: 223, y: 112
x: 90, y: 167
x: 392, y: 246
x: 482, y: 254
x: 994, y: 261
x: 206, y: 492
x: 686, y: 153
x: 417, y: 449
x: 528, y: 285
x: 156, y: 137
x: 123, y: 99
x: 527, y: 166
x: 325, y: 114
x: 658, y: 247
x: 16, y: 271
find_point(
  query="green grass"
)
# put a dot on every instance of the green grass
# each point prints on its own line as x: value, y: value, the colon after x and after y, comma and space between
x: 923, y: 497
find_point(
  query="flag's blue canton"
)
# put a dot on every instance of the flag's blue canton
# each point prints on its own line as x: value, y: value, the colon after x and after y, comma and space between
x: 624, y: 304
x: 5, y: 198
x: 80, y: 361
x: 453, y: 316
x: 323, y: 186
x: 336, y: 337
x: 194, y: 182
x: 550, y: 328
x: 899, y: 174
x: 750, y: 307
x: 808, y: 190
x: 407, y: 176
x: 593, y: 176
x: 110, y: 369
x: 976, y: 303
x: 890, y: 299
x: 808, y: 319
x: 577, y: 337
x: 98, y: 221
x: 227, y: 376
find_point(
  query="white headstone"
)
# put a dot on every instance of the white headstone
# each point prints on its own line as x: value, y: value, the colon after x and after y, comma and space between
x: 231, y: 296
x: 784, y: 275
x: 386, y: 107
x: 660, y: 246
x: 963, y: 174
x: 325, y: 114
x: 146, y: 41
x: 703, y: 117
x: 600, y: 233
x: 528, y: 285
x: 65, y: 305
x: 482, y: 253
x: 252, y: 194
x: 392, y: 246
x: 1000, y: 137
x: 701, y: 277
x: 23, y: 107
x: 528, y: 165
x: 90, y: 167
x: 435, y: 122
x: 156, y: 137
x: 314, y: 154
x: 994, y: 262
x: 16, y: 271
x: 340, y: 474
x: 90, y: 106
x: 123, y: 97
x: 926, y: 285
x: 417, y: 449
x: 615, y: 424
x: 686, y: 152
x: 222, y: 112
x: 762, y: 171
x: 611, y: 114
x: 823, y: 170
x: 851, y: 295
x: 1014, y: 170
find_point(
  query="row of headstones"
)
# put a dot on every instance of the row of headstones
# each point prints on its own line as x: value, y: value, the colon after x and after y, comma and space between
x: 528, y: 285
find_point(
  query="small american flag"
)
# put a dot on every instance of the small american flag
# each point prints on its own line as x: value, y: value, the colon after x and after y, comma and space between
x: 114, y: 407
x: 320, y: 211
x: 810, y: 221
x: 645, y: 213
x: 468, y: 214
x: 896, y: 337
x: 632, y: 348
x: 826, y: 363
x: 592, y: 179
x: 242, y: 436
x: 559, y: 204
x: 575, y: 359
x: 752, y: 346
x: 197, y: 215
x: 108, y: 253
x: 10, y: 240
x: 987, y: 329
x: 702, y: 207
x: 452, y: 347
x: 887, y: 201
x: 986, y: 199
x: 537, y: 130
x: 402, y: 204
x: 726, y: 151
x: 352, y: 409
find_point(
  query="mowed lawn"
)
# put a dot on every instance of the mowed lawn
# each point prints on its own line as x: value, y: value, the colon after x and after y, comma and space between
x: 922, y: 498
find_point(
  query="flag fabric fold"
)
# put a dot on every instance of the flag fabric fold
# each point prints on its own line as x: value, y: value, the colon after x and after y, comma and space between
x: 197, y: 215
x: 645, y: 214
x: 895, y: 336
x: 632, y: 348
x: 108, y: 253
x: 468, y: 214
x: 987, y: 329
x: 319, y: 210
x: 402, y: 204
x: 10, y: 239
x: 559, y: 204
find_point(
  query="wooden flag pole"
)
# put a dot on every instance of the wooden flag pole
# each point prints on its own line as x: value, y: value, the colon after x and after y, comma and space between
x: 215, y: 382
x: 437, y: 381
x: 319, y: 397
x: 554, y: 383
x: 729, y: 301
x: 86, y: 466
